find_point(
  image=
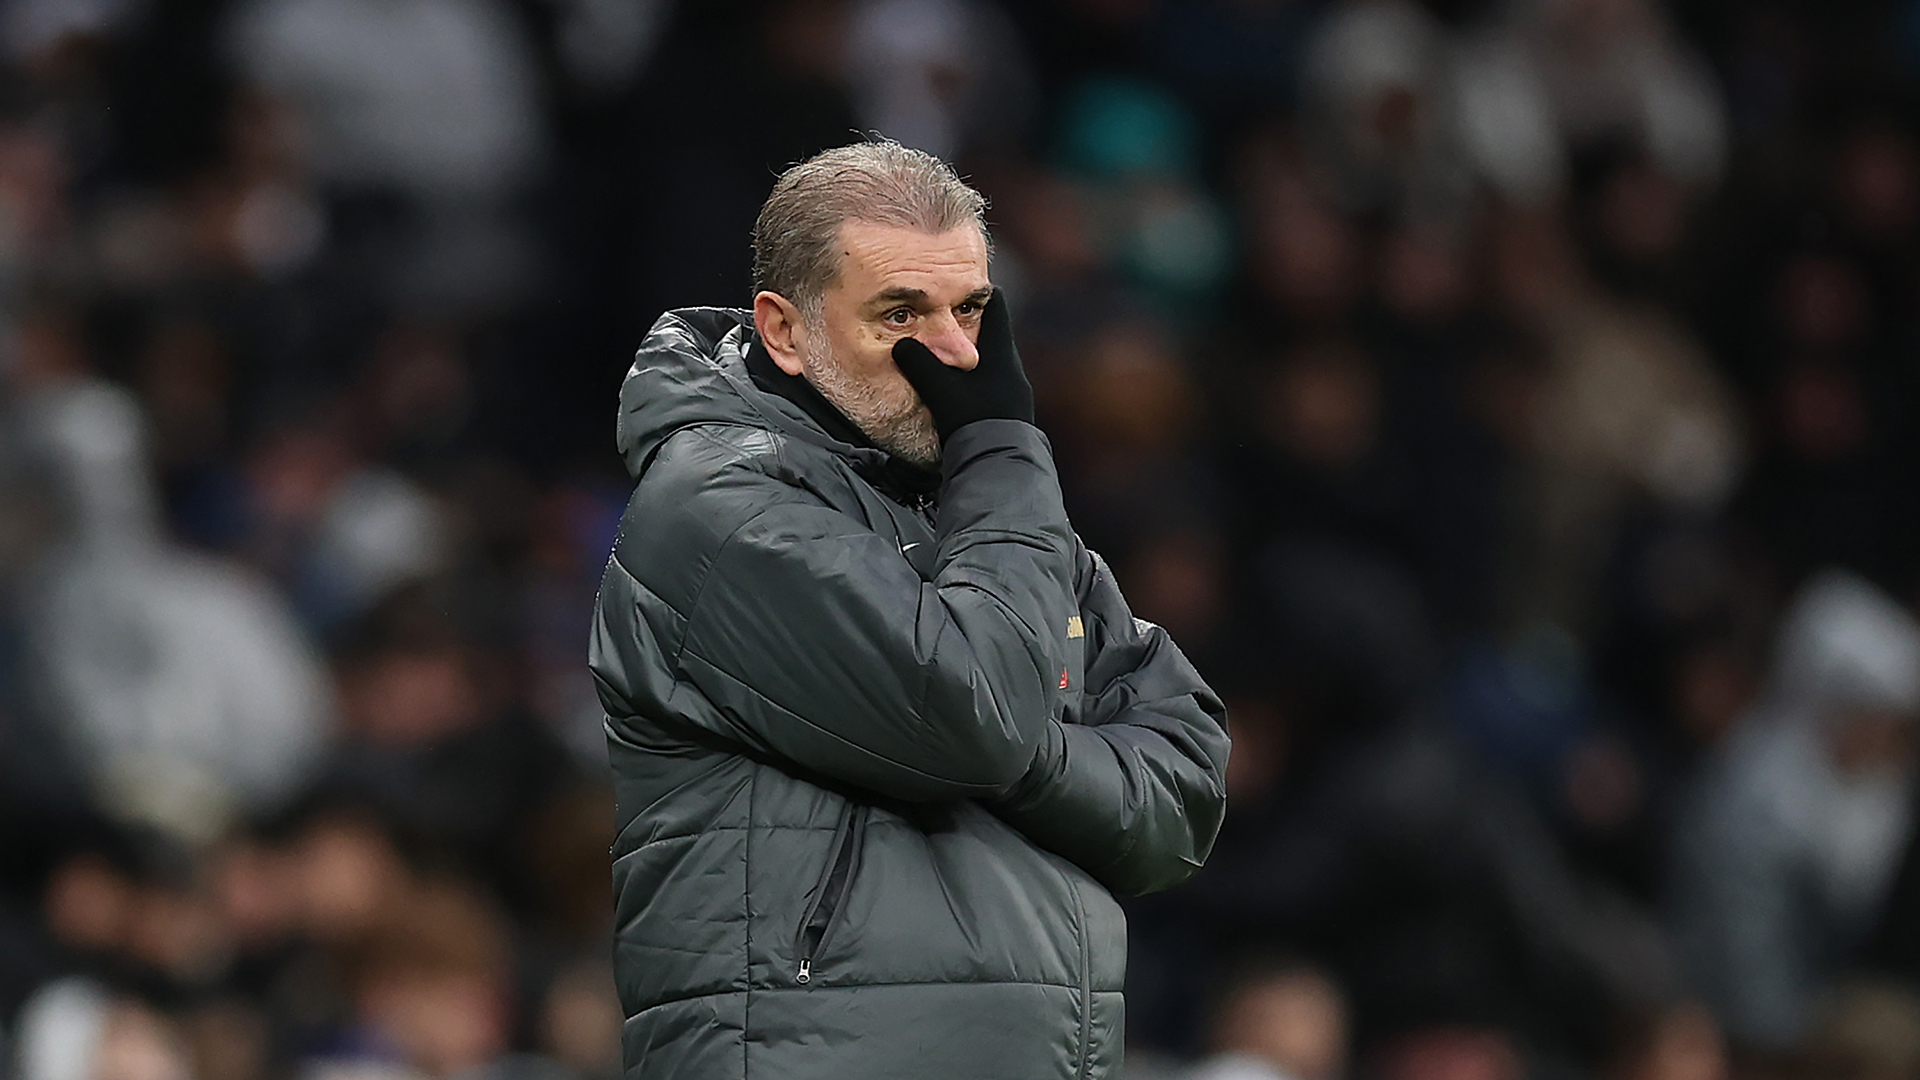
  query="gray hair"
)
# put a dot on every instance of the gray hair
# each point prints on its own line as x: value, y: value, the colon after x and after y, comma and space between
x: 795, y: 238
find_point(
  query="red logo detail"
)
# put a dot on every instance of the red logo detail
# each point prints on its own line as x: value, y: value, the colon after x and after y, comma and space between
x: 1063, y: 678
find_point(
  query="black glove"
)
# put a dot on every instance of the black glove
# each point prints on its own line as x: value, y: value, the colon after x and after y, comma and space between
x: 996, y: 388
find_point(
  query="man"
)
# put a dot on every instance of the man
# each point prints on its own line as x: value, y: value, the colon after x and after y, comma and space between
x: 885, y: 737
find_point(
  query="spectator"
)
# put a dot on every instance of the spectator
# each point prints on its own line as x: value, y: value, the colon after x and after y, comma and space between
x: 1376, y: 95
x: 944, y: 76
x: 1564, y: 77
x: 185, y: 683
x: 1793, y: 834
x: 434, y: 101
x: 73, y: 1030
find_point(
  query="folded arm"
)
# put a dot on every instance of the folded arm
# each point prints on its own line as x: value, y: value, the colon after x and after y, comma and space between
x: 1135, y: 792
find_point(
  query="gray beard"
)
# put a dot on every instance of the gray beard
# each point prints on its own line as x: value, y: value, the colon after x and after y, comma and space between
x: 896, y: 420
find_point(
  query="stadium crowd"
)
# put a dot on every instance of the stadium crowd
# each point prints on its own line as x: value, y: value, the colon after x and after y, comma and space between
x: 1509, y: 404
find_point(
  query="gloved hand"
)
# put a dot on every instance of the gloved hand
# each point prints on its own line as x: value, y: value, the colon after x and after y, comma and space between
x: 996, y: 388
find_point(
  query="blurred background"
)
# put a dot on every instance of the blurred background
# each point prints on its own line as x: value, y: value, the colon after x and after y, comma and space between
x: 1509, y: 404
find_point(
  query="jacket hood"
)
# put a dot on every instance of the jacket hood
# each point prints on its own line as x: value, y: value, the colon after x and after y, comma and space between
x: 93, y: 438
x: 1846, y: 643
x: 691, y: 370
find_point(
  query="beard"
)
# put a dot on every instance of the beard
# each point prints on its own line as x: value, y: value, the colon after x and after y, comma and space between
x: 889, y: 412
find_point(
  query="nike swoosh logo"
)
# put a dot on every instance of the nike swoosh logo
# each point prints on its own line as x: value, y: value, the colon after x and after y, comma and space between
x: 904, y: 548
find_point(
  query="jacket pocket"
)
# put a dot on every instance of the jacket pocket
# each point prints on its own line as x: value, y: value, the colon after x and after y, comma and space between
x: 830, y: 892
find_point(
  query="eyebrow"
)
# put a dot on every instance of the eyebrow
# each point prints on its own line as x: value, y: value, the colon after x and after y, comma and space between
x: 899, y: 293
x: 905, y: 294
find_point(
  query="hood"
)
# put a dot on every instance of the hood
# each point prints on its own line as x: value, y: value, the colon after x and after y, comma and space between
x: 1846, y: 643
x: 92, y: 436
x: 691, y: 370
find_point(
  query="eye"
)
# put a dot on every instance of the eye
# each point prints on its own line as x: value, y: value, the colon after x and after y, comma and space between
x: 968, y: 308
x: 899, y: 316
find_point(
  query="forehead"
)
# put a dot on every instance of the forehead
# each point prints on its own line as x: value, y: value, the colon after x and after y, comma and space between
x: 876, y: 257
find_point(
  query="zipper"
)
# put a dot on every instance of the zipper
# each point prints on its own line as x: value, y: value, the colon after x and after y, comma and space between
x: 923, y: 508
x: 1086, y: 983
x: 828, y: 897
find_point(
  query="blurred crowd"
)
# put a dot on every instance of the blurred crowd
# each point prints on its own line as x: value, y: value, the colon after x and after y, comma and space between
x: 1509, y: 404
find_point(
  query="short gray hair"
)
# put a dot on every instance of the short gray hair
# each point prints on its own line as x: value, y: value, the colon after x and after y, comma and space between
x: 795, y: 238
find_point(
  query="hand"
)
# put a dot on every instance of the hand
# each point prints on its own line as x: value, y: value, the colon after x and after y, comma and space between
x: 996, y: 388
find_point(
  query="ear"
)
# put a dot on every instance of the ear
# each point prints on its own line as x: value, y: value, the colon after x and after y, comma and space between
x: 781, y: 329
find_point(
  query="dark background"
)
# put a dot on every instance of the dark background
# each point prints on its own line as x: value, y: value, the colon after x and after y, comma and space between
x: 1508, y: 405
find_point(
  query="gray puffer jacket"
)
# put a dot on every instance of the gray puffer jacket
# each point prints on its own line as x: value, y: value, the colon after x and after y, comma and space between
x: 881, y: 764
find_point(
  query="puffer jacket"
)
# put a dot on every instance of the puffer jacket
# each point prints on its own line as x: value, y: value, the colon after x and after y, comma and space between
x: 882, y: 760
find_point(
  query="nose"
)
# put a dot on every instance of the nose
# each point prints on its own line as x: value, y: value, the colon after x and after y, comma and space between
x: 949, y: 341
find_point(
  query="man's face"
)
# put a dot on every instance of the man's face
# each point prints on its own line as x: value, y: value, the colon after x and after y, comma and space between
x: 894, y: 283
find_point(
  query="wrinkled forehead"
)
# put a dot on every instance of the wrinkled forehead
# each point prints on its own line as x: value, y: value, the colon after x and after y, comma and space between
x: 876, y: 258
